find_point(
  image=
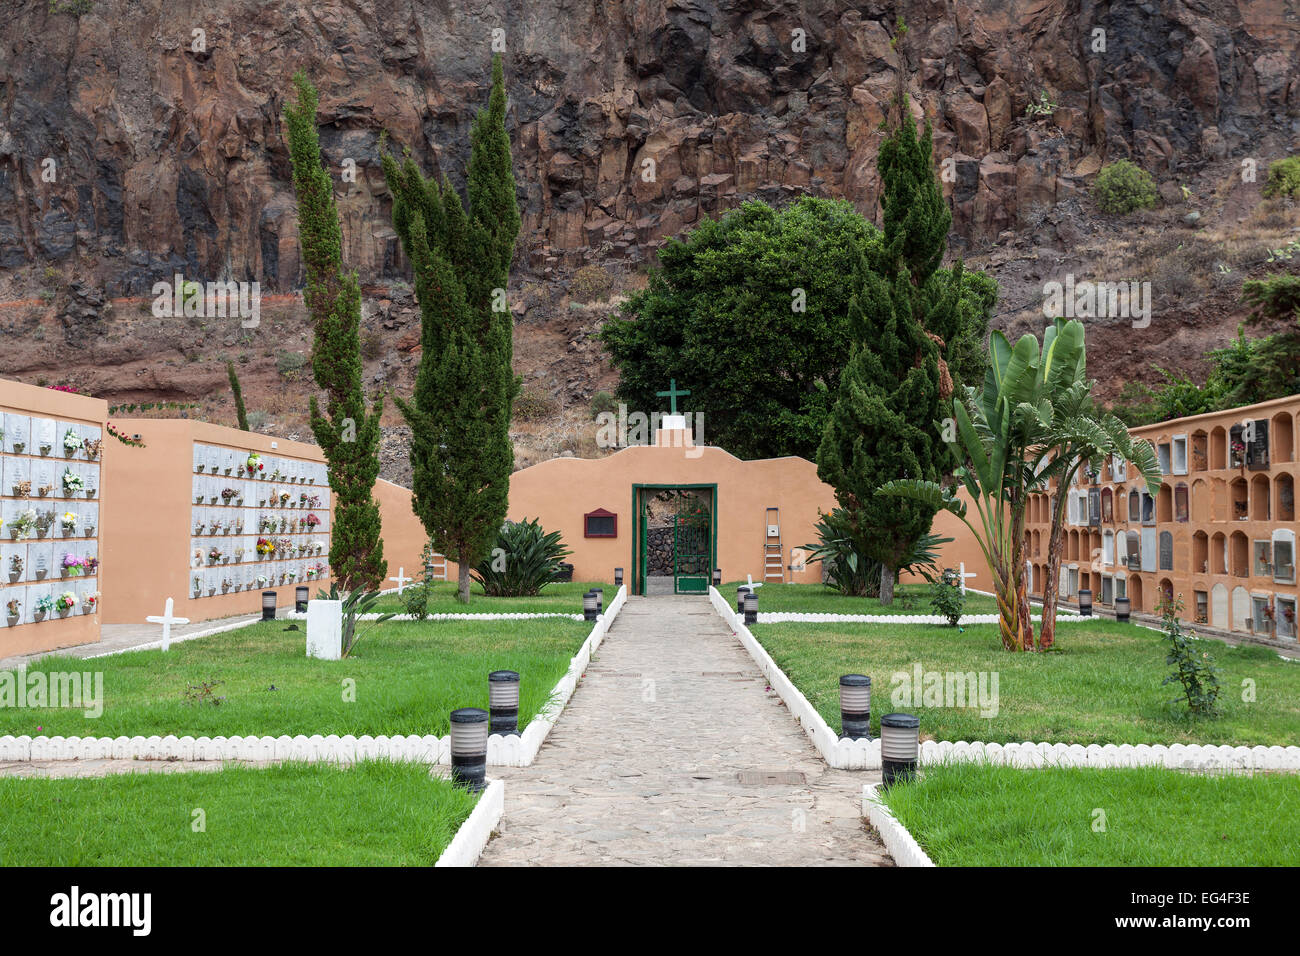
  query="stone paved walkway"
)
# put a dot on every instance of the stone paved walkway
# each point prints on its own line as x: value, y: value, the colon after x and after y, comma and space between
x: 645, y: 765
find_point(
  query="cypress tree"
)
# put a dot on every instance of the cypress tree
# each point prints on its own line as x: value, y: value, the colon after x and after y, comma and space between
x: 459, y: 414
x: 346, y: 431
x: 240, y: 412
x: 887, y: 421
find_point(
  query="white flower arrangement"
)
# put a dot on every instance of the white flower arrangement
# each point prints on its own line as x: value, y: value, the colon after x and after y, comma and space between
x: 71, y: 441
x: 69, y: 521
x: 72, y: 482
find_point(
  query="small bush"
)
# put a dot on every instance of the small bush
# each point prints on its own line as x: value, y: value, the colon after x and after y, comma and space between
x: 257, y: 421
x: 289, y: 363
x: 1274, y: 297
x: 1283, y: 178
x: 1193, y: 668
x: 372, y: 345
x: 590, y: 284
x: 1123, y: 187
x: 946, y: 597
x: 531, y: 406
x: 416, y: 600
x: 603, y: 402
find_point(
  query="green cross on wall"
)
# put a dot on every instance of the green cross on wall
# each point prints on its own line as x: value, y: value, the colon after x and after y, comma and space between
x: 672, y: 393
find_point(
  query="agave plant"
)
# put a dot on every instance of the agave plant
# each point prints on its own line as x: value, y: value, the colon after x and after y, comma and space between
x: 524, y: 560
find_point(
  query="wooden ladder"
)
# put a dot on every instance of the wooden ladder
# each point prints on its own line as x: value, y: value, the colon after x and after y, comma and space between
x: 437, y: 569
x: 773, y: 554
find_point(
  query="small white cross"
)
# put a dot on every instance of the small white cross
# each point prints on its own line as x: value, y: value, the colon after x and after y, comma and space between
x: 964, y: 574
x: 167, y: 621
x: 751, y: 585
x: 401, y: 579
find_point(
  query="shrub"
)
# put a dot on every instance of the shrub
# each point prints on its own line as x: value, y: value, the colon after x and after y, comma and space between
x: 603, y: 402
x: 372, y: 345
x: 1193, y: 668
x: 1123, y: 187
x: 415, y: 599
x: 1276, y: 297
x: 946, y: 597
x: 289, y: 363
x: 525, y: 559
x: 1283, y: 178
x: 530, y: 406
x: 842, y: 552
x: 590, y: 284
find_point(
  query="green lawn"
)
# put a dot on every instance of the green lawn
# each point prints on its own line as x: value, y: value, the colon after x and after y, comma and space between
x: 818, y: 599
x: 981, y: 815
x: 407, y: 678
x: 561, y: 597
x: 1104, y: 686
x: 373, y: 814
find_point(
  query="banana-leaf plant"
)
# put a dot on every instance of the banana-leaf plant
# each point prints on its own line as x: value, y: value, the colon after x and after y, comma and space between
x: 1002, y: 429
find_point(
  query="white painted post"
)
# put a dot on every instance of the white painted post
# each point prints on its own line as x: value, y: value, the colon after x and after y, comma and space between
x: 401, y: 579
x: 167, y: 620
x: 964, y: 574
x: 325, y: 629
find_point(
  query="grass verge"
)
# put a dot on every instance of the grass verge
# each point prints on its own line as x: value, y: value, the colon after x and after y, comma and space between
x: 376, y: 813
x: 562, y: 597
x: 982, y: 815
x: 818, y: 599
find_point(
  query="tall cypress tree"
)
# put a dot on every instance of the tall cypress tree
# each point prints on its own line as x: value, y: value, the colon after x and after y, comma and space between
x: 346, y: 432
x: 461, y: 454
x: 887, y: 421
x: 241, y: 414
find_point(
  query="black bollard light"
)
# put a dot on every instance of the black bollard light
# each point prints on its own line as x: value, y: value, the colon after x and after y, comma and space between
x: 1085, y: 602
x: 589, y: 612
x: 1122, y: 608
x: 503, y: 703
x: 600, y: 599
x: 900, y: 742
x: 717, y: 577
x: 751, y: 607
x: 855, y: 707
x: 618, y: 577
x: 469, y: 735
x: 268, y: 605
x: 740, y: 597
x: 300, y: 599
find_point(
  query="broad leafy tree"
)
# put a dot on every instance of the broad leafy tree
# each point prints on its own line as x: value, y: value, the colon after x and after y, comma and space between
x: 461, y: 454
x: 347, y: 431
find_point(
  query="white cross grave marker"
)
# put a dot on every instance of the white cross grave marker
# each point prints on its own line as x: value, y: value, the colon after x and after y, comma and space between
x: 401, y: 579
x: 167, y: 621
x: 964, y: 574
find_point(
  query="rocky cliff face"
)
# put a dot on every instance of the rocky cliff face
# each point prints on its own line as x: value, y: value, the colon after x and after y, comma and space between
x: 133, y: 147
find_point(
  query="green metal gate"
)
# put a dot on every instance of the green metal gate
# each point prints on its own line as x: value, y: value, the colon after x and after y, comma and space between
x: 691, y: 552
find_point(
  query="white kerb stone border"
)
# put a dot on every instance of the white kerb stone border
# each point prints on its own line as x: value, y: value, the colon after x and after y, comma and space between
x: 468, y: 844
x: 900, y: 843
x: 512, y: 751
x: 865, y: 754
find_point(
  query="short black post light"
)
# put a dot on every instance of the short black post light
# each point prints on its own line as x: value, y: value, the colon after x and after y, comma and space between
x: 503, y: 703
x: 740, y: 597
x: 589, y: 612
x: 1122, y: 609
x: 618, y: 577
x: 268, y: 605
x: 717, y: 577
x: 751, y: 607
x: 469, y: 736
x: 300, y: 598
x: 855, y: 707
x: 600, y: 599
x: 1085, y: 602
x: 900, y: 742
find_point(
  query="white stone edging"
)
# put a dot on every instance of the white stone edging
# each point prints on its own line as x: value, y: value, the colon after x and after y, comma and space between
x: 865, y: 754
x: 455, y: 616
x: 783, y: 617
x: 900, y: 843
x: 472, y: 837
x: 512, y: 751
